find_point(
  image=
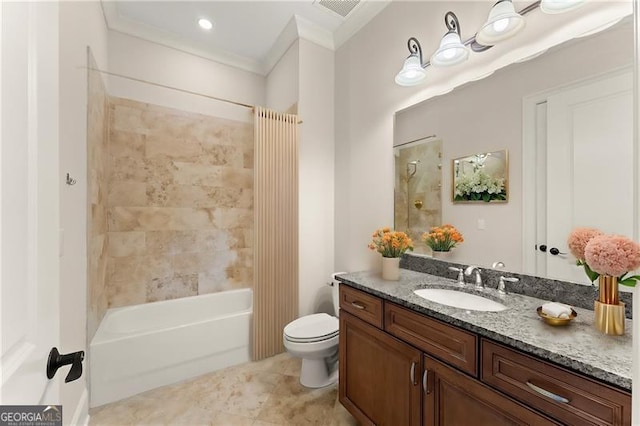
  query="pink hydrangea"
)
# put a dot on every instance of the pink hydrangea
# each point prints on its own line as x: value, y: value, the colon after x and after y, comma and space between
x: 612, y: 255
x: 578, y: 239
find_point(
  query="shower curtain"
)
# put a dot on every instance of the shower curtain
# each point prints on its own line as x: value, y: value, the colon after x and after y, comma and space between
x: 276, y: 229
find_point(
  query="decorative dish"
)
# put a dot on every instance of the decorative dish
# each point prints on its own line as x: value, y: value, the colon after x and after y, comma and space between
x: 556, y: 321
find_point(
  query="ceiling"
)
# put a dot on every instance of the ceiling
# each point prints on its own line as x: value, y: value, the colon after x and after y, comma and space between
x: 251, y: 35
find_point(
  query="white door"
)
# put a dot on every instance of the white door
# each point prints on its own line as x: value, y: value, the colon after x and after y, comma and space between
x: 589, y: 176
x: 29, y: 218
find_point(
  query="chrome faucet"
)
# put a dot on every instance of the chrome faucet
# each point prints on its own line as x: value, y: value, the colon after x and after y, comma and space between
x: 460, y: 274
x: 469, y: 271
x: 502, y: 288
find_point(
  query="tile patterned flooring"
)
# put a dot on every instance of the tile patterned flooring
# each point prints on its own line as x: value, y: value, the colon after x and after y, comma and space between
x: 264, y: 393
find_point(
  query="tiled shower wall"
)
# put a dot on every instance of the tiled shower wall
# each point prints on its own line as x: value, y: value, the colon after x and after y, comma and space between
x: 97, y: 160
x: 180, y: 203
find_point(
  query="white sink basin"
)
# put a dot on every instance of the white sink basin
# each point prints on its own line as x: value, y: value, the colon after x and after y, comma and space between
x: 459, y: 299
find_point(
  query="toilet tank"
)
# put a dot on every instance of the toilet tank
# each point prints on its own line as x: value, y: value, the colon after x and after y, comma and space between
x: 335, y: 292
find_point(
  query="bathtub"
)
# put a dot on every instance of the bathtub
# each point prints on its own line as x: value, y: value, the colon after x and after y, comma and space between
x: 141, y: 347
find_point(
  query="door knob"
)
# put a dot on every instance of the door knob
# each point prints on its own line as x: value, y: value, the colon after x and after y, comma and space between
x: 57, y: 360
x: 554, y: 251
x: 543, y: 248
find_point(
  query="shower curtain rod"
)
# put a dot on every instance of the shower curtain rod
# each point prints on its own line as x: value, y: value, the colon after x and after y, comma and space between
x: 415, y: 140
x: 164, y: 86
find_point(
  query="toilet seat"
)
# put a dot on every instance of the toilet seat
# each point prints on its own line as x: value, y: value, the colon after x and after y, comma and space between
x: 312, y: 328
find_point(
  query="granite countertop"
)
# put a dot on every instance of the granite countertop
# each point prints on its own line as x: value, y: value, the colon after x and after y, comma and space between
x: 578, y: 346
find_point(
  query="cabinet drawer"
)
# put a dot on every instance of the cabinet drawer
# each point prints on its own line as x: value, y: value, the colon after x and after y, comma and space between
x: 362, y: 305
x: 562, y: 394
x: 443, y: 341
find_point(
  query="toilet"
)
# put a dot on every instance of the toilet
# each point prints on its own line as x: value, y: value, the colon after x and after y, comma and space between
x: 314, y: 338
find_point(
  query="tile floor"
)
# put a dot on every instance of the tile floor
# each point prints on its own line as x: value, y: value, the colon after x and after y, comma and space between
x: 264, y: 393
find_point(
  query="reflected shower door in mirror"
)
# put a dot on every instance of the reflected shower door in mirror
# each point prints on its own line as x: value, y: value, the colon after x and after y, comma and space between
x: 418, y: 182
x: 587, y: 170
x: 481, y: 178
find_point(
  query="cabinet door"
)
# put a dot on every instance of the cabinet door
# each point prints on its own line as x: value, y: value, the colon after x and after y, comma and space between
x: 453, y: 399
x: 379, y: 375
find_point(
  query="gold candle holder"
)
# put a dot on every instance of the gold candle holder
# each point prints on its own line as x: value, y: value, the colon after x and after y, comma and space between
x: 609, y: 318
x: 608, y: 290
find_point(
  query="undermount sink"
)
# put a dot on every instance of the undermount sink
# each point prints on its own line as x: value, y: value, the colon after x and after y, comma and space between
x: 459, y: 299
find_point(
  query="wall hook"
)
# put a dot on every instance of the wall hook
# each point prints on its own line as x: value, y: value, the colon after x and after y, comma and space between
x: 70, y: 181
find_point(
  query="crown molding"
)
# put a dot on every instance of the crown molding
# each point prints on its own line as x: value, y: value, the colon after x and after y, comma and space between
x: 118, y: 23
x: 297, y: 27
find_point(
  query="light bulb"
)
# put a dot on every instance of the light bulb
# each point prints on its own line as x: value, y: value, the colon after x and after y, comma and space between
x: 501, y: 24
x: 449, y: 53
x: 205, y: 23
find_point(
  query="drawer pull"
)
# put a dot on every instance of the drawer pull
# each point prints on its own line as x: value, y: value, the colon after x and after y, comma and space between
x: 413, y: 373
x: 357, y: 305
x: 548, y: 394
x: 425, y: 382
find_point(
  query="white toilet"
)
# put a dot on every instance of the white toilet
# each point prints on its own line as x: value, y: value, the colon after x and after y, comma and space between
x: 314, y: 338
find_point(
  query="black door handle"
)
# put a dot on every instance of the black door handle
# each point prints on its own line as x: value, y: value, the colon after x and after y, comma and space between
x: 56, y: 360
x: 543, y: 248
x: 554, y: 251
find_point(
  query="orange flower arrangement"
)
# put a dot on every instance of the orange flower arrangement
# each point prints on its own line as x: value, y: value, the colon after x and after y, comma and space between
x: 390, y: 243
x: 442, y: 238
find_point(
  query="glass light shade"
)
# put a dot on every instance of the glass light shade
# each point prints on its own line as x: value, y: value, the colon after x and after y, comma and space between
x: 503, y: 23
x: 450, y: 52
x: 411, y: 73
x: 559, y: 6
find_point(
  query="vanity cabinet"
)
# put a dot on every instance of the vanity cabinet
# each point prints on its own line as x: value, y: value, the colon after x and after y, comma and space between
x: 452, y: 398
x: 379, y: 375
x: 399, y: 367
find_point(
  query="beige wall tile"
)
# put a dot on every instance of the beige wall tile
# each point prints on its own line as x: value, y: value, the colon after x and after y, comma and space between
x: 123, y: 244
x: 123, y: 143
x: 174, y: 287
x: 127, y: 194
x: 180, y: 203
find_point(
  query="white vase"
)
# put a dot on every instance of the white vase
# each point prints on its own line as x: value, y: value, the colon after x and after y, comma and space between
x: 443, y: 255
x: 391, y: 268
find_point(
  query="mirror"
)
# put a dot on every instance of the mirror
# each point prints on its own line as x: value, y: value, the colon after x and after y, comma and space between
x: 514, y: 110
x: 417, y: 189
x: 480, y: 178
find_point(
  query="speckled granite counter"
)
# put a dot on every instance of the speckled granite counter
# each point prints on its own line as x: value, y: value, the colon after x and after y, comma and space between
x: 578, y: 346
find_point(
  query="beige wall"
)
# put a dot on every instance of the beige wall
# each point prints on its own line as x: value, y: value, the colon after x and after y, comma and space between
x: 180, y: 203
x: 97, y: 160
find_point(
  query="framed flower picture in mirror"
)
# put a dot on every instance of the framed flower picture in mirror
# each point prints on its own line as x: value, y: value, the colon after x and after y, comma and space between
x: 481, y: 178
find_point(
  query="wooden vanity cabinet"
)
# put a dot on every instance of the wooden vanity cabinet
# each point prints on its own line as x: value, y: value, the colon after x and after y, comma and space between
x: 399, y: 367
x: 379, y: 375
x: 451, y: 398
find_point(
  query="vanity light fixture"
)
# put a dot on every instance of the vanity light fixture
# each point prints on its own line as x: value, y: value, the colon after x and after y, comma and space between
x: 503, y: 23
x: 412, y: 71
x: 451, y: 50
x: 559, y: 6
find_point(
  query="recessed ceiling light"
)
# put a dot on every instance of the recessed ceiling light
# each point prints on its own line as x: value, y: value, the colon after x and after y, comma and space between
x: 205, y: 23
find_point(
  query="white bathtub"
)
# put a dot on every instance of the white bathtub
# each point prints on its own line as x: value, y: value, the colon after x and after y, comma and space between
x: 141, y: 347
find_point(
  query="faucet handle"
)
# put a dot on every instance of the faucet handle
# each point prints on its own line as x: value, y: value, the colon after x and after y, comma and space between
x: 502, y: 288
x: 497, y: 265
x: 460, y: 274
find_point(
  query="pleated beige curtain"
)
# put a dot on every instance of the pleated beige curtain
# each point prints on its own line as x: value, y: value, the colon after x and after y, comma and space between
x: 275, y: 281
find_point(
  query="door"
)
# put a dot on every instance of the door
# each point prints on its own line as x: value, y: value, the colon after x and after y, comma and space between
x: 451, y: 398
x: 29, y: 218
x: 379, y: 375
x: 578, y: 182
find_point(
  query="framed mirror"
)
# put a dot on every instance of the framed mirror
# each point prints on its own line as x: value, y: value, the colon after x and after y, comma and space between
x: 480, y: 178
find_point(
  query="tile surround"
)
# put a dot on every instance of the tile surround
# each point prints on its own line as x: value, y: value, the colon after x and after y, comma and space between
x: 265, y: 393
x: 97, y: 193
x: 180, y: 203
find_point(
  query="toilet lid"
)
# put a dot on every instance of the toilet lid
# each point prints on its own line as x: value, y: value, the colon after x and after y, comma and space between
x: 312, y: 327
